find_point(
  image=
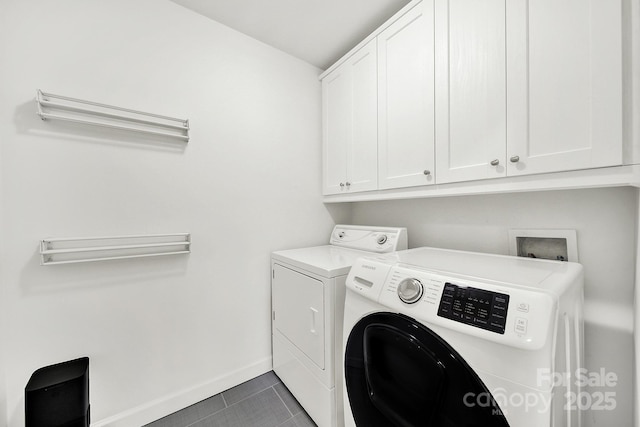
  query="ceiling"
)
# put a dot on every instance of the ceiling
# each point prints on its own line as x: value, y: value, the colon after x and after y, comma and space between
x: 316, y: 31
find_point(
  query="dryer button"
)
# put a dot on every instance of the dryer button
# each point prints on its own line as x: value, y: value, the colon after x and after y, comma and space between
x: 521, y: 325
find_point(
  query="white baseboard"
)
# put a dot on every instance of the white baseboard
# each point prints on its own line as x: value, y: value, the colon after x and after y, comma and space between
x: 156, y: 409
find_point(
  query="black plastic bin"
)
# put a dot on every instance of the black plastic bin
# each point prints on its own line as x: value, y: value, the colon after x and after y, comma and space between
x: 58, y: 395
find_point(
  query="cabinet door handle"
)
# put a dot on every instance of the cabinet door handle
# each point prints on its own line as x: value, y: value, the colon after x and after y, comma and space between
x: 427, y: 172
x: 495, y: 162
x: 341, y: 185
x: 514, y: 159
x: 348, y: 184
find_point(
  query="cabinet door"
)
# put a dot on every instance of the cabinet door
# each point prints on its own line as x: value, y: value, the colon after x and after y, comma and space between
x: 362, y: 157
x: 298, y: 303
x: 336, y: 132
x: 406, y: 100
x: 471, y: 130
x: 564, y: 87
x: 349, y: 96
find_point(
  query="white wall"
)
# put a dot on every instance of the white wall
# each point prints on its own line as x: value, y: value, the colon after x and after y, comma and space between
x: 159, y: 332
x: 631, y: 11
x: 633, y: 129
x: 636, y: 332
x: 605, y: 220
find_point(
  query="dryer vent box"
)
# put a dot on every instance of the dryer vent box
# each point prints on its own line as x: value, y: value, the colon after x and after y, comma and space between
x: 559, y: 245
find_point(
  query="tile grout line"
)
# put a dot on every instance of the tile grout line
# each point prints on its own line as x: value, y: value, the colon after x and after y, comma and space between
x: 213, y: 413
x: 227, y: 406
x: 286, y: 421
x: 224, y: 400
x: 282, y: 400
x: 252, y: 394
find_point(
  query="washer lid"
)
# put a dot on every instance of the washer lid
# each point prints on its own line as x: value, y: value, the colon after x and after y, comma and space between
x: 326, y: 261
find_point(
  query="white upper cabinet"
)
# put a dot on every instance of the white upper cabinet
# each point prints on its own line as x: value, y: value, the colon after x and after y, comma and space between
x: 527, y: 87
x: 350, y: 124
x: 564, y: 85
x: 465, y: 90
x: 471, y: 131
x: 406, y: 100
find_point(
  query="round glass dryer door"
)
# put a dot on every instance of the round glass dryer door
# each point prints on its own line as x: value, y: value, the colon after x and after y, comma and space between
x: 399, y: 373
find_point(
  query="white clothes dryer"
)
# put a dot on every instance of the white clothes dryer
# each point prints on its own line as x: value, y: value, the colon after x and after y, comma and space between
x: 449, y: 338
x: 308, y: 303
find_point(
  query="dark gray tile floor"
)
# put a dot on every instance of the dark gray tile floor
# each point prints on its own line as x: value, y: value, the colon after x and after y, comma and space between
x: 261, y: 402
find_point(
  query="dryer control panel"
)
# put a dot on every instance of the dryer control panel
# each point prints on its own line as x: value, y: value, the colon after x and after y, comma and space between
x: 371, y: 239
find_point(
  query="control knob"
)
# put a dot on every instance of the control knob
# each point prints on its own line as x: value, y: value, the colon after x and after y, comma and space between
x: 410, y: 291
x: 382, y: 239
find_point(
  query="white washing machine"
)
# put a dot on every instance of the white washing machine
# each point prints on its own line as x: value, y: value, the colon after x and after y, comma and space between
x: 308, y: 303
x: 448, y: 338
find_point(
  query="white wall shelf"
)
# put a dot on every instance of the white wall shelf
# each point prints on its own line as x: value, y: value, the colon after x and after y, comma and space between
x: 88, y: 249
x: 57, y: 107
